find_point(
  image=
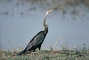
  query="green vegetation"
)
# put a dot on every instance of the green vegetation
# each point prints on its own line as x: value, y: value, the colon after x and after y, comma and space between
x: 75, y: 54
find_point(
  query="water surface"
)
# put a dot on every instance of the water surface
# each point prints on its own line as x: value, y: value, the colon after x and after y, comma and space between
x: 20, y: 21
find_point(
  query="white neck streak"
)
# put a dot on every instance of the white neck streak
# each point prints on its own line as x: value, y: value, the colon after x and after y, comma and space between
x: 44, y: 22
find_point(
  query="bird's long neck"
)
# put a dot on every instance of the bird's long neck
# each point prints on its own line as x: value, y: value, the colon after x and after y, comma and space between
x: 44, y: 22
x: 45, y: 25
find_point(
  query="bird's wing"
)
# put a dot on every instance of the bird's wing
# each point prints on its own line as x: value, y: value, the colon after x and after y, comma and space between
x: 37, y: 39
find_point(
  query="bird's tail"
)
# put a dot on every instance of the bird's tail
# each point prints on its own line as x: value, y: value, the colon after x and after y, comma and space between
x: 22, y: 52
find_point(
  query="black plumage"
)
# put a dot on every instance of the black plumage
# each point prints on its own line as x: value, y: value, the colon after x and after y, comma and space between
x: 38, y: 39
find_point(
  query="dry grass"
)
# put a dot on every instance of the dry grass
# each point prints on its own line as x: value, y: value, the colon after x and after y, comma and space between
x: 63, y: 54
x: 52, y: 54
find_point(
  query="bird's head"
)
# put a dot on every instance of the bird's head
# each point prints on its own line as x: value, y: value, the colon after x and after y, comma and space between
x: 48, y: 12
x: 44, y: 22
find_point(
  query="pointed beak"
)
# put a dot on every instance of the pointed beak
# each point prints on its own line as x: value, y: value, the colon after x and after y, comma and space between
x: 50, y: 10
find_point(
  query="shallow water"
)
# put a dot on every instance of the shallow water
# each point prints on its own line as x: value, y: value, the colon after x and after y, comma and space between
x: 20, y: 21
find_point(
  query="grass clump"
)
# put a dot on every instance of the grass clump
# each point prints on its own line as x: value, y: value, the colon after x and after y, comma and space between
x: 75, y: 54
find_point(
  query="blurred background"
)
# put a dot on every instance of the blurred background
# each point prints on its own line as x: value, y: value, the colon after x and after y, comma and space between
x: 21, y: 20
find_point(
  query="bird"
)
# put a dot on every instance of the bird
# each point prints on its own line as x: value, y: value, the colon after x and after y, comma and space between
x: 38, y: 39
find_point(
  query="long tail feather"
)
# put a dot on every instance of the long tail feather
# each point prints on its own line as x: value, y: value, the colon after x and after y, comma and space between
x: 22, y: 52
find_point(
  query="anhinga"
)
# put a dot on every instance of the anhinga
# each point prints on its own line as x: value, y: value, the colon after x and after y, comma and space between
x: 38, y: 39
